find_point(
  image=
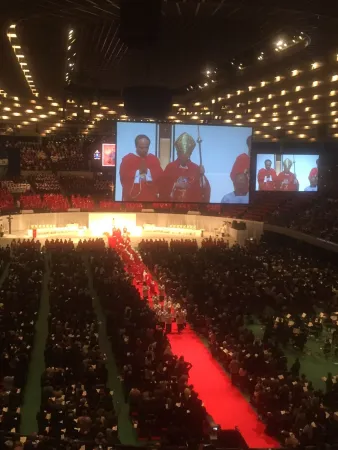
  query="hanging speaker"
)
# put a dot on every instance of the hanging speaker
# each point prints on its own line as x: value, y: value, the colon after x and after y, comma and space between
x: 322, y: 131
x: 281, y: 134
x: 140, y: 22
x: 147, y: 101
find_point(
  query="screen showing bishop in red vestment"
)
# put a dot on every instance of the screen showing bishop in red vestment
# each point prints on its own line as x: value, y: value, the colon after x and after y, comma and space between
x: 287, y: 172
x: 184, y: 163
x: 183, y: 180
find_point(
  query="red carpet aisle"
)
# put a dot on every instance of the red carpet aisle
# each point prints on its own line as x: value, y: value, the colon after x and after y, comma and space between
x: 224, y: 403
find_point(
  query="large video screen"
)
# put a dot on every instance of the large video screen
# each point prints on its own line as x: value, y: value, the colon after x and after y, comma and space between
x: 286, y: 172
x: 182, y: 163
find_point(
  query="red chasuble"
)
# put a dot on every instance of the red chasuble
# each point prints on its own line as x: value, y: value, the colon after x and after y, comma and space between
x: 142, y: 190
x: 267, y: 179
x: 290, y: 182
x: 198, y: 188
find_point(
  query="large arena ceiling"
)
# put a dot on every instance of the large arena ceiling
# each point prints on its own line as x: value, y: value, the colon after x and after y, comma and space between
x: 208, y: 52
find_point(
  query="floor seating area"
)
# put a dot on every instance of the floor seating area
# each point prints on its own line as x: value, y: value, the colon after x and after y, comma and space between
x: 19, y: 298
x: 223, y: 288
x: 76, y: 403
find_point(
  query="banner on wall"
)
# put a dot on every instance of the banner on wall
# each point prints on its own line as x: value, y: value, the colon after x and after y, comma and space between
x: 108, y: 155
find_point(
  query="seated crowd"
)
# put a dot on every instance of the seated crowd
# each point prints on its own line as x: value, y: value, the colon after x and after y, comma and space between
x: 293, y: 295
x: 162, y: 402
x: 4, y: 259
x: 19, y: 304
x: 86, y: 185
x: 320, y: 220
x: 33, y: 156
x: 67, y: 153
x: 16, y: 185
x: 76, y: 402
x: 6, y: 200
x: 45, y: 183
x: 50, y: 202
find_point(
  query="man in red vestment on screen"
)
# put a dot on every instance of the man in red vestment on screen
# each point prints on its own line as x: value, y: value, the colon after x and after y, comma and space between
x: 267, y: 177
x: 240, y: 178
x: 286, y: 180
x: 314, y: 172
x: 183, y: 180
x: 140, y: 172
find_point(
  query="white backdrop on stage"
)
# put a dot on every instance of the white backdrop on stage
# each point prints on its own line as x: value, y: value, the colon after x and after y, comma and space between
x: 100, y: 223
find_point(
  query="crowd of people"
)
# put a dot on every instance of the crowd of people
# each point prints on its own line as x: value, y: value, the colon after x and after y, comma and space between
x: 6, y: 200
x: 292, y: 294
x: 45, y: 183
x: 19, y: 304
x: 86, y: 185
x: 33, y: 156
x: 320, y: 220
x: 76, y: 402
x: 67, y: 153
x: 49, y: 202
x: 156, y: 383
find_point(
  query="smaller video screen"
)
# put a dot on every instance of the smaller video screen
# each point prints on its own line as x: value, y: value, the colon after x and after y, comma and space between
x: 287, y: 173
x: 108, y: 155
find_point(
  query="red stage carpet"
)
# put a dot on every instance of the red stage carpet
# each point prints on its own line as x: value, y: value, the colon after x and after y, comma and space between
x: 223, y: 402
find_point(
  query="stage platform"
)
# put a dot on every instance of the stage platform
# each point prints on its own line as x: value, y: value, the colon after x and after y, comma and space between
x: 77, y: 225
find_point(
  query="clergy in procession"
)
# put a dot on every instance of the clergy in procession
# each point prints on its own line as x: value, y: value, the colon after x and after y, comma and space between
x: 286, y: 180
x: 267, y: 177
x: 140, y: 173
x: 183, y: 180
